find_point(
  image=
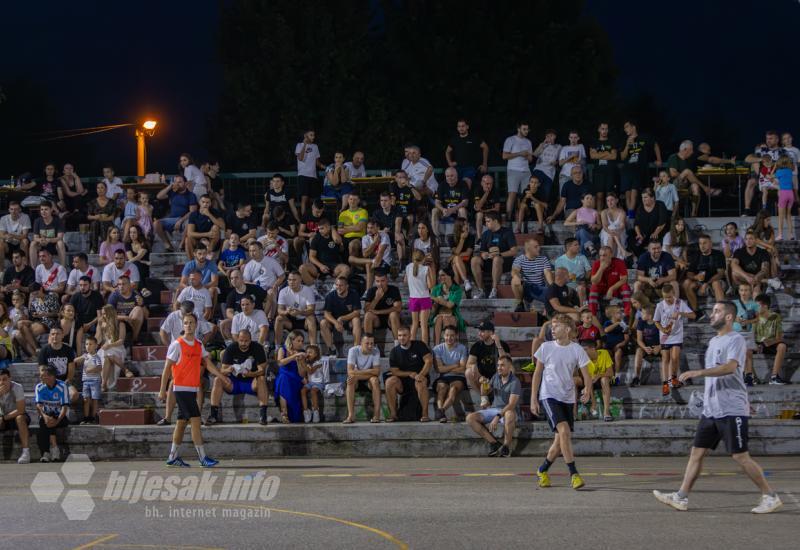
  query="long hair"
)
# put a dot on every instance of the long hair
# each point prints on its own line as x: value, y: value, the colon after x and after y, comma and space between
x: 417, y: 257
x: 112, y: 327
x: 460, y: 226
x: 291, y: 336
x: 678, y: 238
x: 762, y: 233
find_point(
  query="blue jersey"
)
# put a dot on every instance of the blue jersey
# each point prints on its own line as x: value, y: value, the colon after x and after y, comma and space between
x: 52, y: 399
x: 232, y: 258
x: 784, y: 177
x: 207, y: 270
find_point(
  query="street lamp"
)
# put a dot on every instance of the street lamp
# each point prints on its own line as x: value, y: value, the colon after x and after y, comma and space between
x: 148, y: 128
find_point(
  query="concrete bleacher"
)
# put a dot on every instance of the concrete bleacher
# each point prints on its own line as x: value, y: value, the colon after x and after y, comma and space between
x: 647, y: 422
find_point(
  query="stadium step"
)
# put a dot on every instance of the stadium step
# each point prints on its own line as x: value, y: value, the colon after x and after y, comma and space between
x: 125, y: 417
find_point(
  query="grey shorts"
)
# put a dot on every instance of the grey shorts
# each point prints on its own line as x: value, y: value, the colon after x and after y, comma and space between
x: 517, y: 181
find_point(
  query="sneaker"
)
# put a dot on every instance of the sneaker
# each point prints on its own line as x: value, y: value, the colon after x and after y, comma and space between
x: 748, y: 380
x: 520, y: 308
x: 577, y: 481
x: 675, y: 383
x: 544, y: 479
x: 635, y: 382
x: 315, y: 417
x: 776, y: 381
x: 55, y: 454
x: 45, y: 457
x: 672, y: 499
x: 768, y: 504
x: 178, y: 462
x: 493, y: 294
x: 211, y: 420
x: 477, y: 294
x: 608, y: 418
x: 665, y: 388
x: 775, y: 284
x: 504, y: 452
x: 163, y: 422
x: 307, y: 416
x: 494, y: 448
x: 208, y: 462
x: 467, y: 285
x: 25, y: 457
x: 263, y: 420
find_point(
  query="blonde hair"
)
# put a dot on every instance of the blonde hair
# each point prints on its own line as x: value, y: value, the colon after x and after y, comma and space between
x: 417, y: 257
x: 785, y: 162
x: 110, y: 316
x: 611, y: 311
x: 291, y: 336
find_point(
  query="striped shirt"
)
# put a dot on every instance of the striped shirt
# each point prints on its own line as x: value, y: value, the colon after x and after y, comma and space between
x: 532, y: 270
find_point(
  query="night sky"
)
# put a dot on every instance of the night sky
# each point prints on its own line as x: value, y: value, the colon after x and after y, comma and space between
x: 110, y: 62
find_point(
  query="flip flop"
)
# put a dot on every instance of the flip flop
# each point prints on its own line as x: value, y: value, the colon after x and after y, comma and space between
x: 391, y: 419
x: 347, y: 421
x: 425, y: 419
x: 375, y: 421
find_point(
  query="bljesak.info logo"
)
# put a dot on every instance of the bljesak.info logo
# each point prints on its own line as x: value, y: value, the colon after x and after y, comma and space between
x: 69, y: 488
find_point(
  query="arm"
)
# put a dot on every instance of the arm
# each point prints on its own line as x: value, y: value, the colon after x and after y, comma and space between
x: 720, y: 370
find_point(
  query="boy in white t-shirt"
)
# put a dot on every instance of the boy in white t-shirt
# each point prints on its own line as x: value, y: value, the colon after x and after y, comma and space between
x: 668, y: 317
x: 92, y: 365
x: 555, y: 362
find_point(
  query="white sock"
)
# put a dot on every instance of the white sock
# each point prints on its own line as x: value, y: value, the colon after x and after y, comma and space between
x: 201, y: 452
x: 173, y: 453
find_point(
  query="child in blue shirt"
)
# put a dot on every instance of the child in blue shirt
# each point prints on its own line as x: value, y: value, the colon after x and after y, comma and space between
x: 783, y: 175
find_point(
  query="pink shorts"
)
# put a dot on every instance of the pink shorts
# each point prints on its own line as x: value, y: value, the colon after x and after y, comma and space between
x: 785, y: 198
x: 419, y: 304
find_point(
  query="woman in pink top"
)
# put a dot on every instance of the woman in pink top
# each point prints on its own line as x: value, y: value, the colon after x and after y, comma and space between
x: 109, y: 246
x: 587, y: 223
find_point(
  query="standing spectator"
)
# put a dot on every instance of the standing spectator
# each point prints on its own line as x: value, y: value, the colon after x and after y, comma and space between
x: 363, y: 371
x: 427, y: 243
x: 586, y: 220
x: 531, y: 272
x: 405, y: 198
x: 289, y: 382
x: 410, y: 365
x: 204, y: 226
x: 216, y: 187
x: 750, y: 264
x: 467, y: 154
x: 195, y: 180
x: 533, y: 202
x: 483, y: 358
x: 518, y: 151
x: 337, y: 184
x: 242, y: 222
x: 182, y: 203
x: 49, y: 274
x: 668, y: 317
x: 786, y: 192
x: 506, y: 395
x: 308, y: 162
x: 446, y: 297
x: 52, y: 403
x: 497, y: 252
x: 651, y: 221
x: 12, y: 413
x: 296, y: 304
x: 577, y: 265
x: 572, y: 193
x: 655, y: 270
x: 14, y: 229
x: 451, y: 364
x: 560, y: 298
x: 570, y: 156
x: 706, y: 272
x: 48, y: 234
x: 325, y: 255
x: 119, y: 268
x: 635, y: 154
x: 770, y: 148
x: 547, y: 153
x: 768, y: 330
x: 420, y: 279
x: 451, y: 201
x: 603, y: 155
x: 420, y: 173
x: 793, y: 153
x: 486, y: 200
x: 318, y: 375
x: 382, y: 306
x: 342, y: 310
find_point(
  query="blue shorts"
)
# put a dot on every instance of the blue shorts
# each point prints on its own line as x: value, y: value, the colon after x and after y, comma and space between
x: 330, y: 192
x: 533, y: 292
x: 318, y: 385
x: 241, y: 387
x: 91, y: 389
x: 467, y: 172
x: 487, y: 415
x: 169, y: 224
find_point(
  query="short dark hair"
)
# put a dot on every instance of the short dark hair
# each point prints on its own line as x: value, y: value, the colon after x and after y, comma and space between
x: 278, y: 177
x: 569, y: 240
x: 318, y: 204
x: 381, y: 272
x: 5, y: 372
x: 273, y: 225
x: 764, y: 299
x: 90, y: 337
x: 200, y: 246
x: 85, y: 278
x: 492, y: 216
x: 243, y: 204
x: 48, y: 204
x: 729, y: 307
x: 82, y: 256
x: 118, y: 251
x: 50, y: 370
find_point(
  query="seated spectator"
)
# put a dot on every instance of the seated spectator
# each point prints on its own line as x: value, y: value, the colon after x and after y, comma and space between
x: 532, y: 202
x: 205, y: 225
x: 363, y: 371
x: 483, y: 358
x: 667, y: 194
x: 577, y: 265
x: 308, y: 228
x: 586, y: 220
x: 110, y: 245
x: 60, y: 357
x: 405, y: 198
x: 182, y: 202
x: 352, y: 224
x: 265, y: 272
x: 706, y: 272
x: 768, y: 330
x: 616, y: 335
x: 197, y: 293
x: 50, y: 275
x: 172, y: 327
x: 506, y: 395
x: 209, y: 274
x: 287, y: 225
x: 531, y: 272
x: 87, y: 303
x: 668, y: 317
x: 614, y: 233
x: 560, y: 298
x: 356, y: 166
x: 18, y: 277
x: 655, y: 270
x: 375, y: 251
x: 427, y: 242
x: 289, y: 382
x: 451, y: 365
x: 325, y: 255
x: 572, y: 192
x: 20, y: 331
x: 52, y: 403
x: 746, y: 314
x: 650, y: 223
x: 765, y: 239
x: 318, y: 375
x: 12, y: 413
x: 120, y: 268
x: 242, y: 222
x: 410, y: 365
x: 496, y: 256
x: 420, y: 172
x: 296, y: 306
x: 589, y: 327
x: 682, y: 169
x: 81, y: 268
x: 137, y: 249
x: 337, y: 184
x: 130, y: 211
x: 244, y: 369
x: 342, y: 311
x: 15, y: 228
x: 388, y: 215
x: 382, y: 305
x: 73, y: 333
x: 676, y: 244
x: 251, y: 319
x: 451, y: 201
x: 44, y: 311
x: 276, y: 196
x: 130, y: 307
x: 232, y: 257
x: 144, y: 217
x: 462, y: 244
x: 239, y: 289
x: 110, y: 337
x: 750, y: 264
x: 648, y: 342
x: 275, y: 245
x: 485, y: 201
x: 446, y: 297
x: 601, y: 371
x: 47, y: 234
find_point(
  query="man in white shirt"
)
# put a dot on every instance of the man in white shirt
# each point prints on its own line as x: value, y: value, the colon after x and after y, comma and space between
x: 518, y: 151
x: 50, y: 274
x: 356, y: 167
x: 376, y: 251
x: 14, y: 229
x: 571, y: 155
x: 197, y: 293
x: 172, y: 327
x: 546, y: 154
x: 81, y: 267
x: 252, y: 320
x: 296, y: 304
x: 363, y: 370
x: 119, y: 268
x: 420, y: 172
x: 308, y: 184
x: 113, y: 184
x: 265, y: 272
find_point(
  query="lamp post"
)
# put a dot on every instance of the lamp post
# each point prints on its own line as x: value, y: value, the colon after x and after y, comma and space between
x: 146, y: 129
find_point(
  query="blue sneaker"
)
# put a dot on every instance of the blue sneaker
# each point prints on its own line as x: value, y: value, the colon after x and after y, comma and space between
x: 177, y: 462
x: 208, y: 462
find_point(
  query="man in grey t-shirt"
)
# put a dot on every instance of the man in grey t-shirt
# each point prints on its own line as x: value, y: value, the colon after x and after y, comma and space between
x: 725, y: 412
x: 12, y: 412
x: 363, y: 370
x: 506, y: 392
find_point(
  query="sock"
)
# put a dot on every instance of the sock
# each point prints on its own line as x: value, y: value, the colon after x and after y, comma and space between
x: 263, y: 410
x: 572, y: 469
x: 173, y: 453
x: 201, y: 452
x: 215, y: 411
x: 681, y: 494
x: 545, y: 465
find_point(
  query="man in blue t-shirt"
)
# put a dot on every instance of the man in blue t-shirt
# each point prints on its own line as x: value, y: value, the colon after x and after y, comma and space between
x: 572, y: 193
x: 655, y: 269
x: 52, y: 404
x: 205, y: 225
x: 208, y: 271
x: 181, y: 203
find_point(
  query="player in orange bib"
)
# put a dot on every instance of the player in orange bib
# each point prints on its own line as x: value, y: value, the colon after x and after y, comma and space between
x: 186, y: 358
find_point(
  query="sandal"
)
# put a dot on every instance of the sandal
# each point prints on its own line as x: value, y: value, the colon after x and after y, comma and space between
x: 284, y: 418
x: 375, y: 421
x: 391, y: 419
x: 348, y: 421
x: 128, y: 373
x: 425, y: 419
x: 443, y: 420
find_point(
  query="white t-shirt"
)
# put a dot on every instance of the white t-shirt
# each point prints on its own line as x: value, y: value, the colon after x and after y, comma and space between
x: 367, y: 240
x: 174, y: 354
x: 559, y: 364
x: 417, y: 286
x: 360, y: 172
x: 113, y: 187
x: 75, y: 275
x: 51, y: 278
x: 252, y: 324
x: 676, y: 251
x: 197, y: 180
x: 18, y: 226
x: 288, y: 298
x: 663, y: 316
x: 726, y: 395
x: 111, y: 273
x: 263, y: 273
x: 361, y: 361
x: 200, y: 297
x: 308, y: 166
x: 321, y: 375
x: 516, y: 144
x: 173, y: 325
x: 568, y: 151
x: 546, y: 162
x: 416, y: 174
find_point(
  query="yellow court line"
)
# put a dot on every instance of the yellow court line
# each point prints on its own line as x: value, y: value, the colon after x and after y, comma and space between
x: 96, y: 542
x: 612, y: 474
x: 177, y: 546
x: 502, y: 475
x: 476, y: 475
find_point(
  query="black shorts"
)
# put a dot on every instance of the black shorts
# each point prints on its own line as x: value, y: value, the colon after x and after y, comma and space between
x: 11, y: 425
x: 631, y: 179
x: 487, y: 371
x: 451, y: 378
x: 732, y: 429
x: 407, y: 381
x: 187, y: 405
x: 604, y: 181
x: 557, y: 412
x: 507, y: 262
x: 768, y: 350
x: 308, y: 187
x: 362, y: 386
x: 297, y: 324
x: 62, y: 377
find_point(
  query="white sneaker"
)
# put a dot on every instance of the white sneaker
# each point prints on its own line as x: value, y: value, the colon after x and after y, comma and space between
x: 55, y: 454
x: 315, y: 417
x: 25, y: 457
x: 493, y: 294
x: 477, y: 294
x: 768, y: 504
x: 467, y: 285
x: 775, y: 284
x: 672, y: 499
x: 307, y: 416
x: 45, y: 457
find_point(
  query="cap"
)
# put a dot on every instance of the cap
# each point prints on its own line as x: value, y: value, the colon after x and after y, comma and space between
x: 486, y: 325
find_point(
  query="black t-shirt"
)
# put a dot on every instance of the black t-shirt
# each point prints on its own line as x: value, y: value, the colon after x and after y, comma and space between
x: 26, y: 277
x: 311, y: 221
x: 276, y: 198
x: 86, y: 307
x: 655, y: 269
x: 649, y: 332
x: 59, y: 358
x: 285, y: 224
x: 240, y: 226
x: 404, y: 199
x: 503, y: 239
x: 487, y: 356
x: 710, y: 265
x: 648, y: 221
x: 328, y: 252
x: 201, y: 222
x: 411, y: 359
x: 216, y: 183
x: 48, y: 230
x: 339, y: 306
x: 603, y: 146
x: 390, y: 297
x: 451, y: 196
x: 469, y: 242
x: 574, y: 194
x: 492, y: 200
x: 255, y: 292
x: 250, y: 359
x: 639, y: 153
x: 385, y: 220
x: 751, y: 263
x: 566, y: 297
x: 467, y: 152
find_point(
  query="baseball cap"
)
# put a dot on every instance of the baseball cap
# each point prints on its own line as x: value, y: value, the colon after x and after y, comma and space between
x: 486, y: 325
